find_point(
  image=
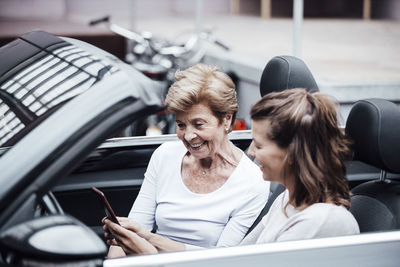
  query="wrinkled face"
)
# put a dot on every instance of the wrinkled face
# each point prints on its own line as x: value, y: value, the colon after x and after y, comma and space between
x: 268, y: 154
x: 201, y: 131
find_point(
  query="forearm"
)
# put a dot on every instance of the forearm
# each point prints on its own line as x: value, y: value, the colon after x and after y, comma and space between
x: 164, y: 244
x: 115, y: 252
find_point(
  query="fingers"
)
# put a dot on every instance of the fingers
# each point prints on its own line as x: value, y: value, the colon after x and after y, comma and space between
x: 108, y: 235
x: 135, y: 227
x: 128, y: 240
x: 134, y: 244
x: 131, y: 225
x: 112, y: 242
x: 124, y: 239
x: 110, y: 228
x: 129, y: 235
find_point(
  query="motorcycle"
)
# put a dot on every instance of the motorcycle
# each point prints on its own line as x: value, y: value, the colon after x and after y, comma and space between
x: 159, y: 59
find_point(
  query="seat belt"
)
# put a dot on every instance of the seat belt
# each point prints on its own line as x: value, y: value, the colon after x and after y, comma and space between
x: 279, y: 189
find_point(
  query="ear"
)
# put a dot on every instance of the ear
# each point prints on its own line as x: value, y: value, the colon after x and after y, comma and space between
x: 227, y: 121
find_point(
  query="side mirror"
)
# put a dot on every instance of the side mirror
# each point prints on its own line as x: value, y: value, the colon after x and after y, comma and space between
x: 52, y: 240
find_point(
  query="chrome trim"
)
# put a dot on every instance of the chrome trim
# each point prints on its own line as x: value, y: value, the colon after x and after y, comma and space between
x: 382, y: 176
x: 154, y: 140
x: 269, y: 249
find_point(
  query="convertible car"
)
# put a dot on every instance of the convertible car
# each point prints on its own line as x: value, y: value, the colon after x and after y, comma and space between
x: 63, y: 104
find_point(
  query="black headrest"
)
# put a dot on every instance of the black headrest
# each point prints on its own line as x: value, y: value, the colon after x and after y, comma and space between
x: 286, y: 72
x: 374, y: 126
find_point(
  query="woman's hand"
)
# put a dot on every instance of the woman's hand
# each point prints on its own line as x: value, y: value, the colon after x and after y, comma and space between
x: 127, y: 239
x: 141, y: 241
x: 135, y: 227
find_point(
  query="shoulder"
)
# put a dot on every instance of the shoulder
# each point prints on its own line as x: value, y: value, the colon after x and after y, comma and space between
x: 331, y: 218
x: 279, y: 203
x: 247, y: 165
x: 253, y: 173
x: 170, y: 147
x: 322, y: 210
x: 327, y: 210
x: 248, y: 179
x: 167, y: 152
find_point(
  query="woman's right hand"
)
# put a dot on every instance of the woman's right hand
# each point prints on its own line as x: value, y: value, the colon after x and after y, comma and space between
x: 143, y: 239
x: 135, y: 227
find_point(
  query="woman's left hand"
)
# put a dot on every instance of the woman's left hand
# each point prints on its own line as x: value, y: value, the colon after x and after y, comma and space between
x: 128, y: 240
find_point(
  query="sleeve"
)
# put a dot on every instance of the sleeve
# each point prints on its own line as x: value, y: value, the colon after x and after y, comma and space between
x: 245, y: 215
x: 144, y: 208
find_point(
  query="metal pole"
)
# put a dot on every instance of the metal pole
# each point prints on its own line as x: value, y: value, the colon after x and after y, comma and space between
x: 298, y: 9
x: 367, y: 9
x: 199, y: 16
x: 132, y: 15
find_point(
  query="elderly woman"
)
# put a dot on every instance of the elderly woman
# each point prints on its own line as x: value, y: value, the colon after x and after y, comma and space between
x: 297, y: 142
x: 201, y: 191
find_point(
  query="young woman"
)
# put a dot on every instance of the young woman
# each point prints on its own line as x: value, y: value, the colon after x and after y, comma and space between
x: 298, y: 143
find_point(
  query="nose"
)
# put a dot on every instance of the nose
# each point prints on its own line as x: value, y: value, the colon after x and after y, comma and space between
x: 250, y: 151
x: 190, y: 134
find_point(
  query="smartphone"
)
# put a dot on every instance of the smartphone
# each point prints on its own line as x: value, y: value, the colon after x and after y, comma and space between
x: 107, y: 207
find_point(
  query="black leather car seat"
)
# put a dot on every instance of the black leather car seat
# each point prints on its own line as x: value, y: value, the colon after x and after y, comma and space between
x: 281, y: 73
x: 286, y: 72
x: 374, y: 126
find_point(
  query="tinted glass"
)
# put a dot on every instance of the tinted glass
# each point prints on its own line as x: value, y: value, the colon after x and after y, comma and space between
x: 41, y: 82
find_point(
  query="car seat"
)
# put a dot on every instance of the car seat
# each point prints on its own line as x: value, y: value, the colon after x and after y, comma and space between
x: 281, y: 73
x: 374, y: 127
x: 286, y: 72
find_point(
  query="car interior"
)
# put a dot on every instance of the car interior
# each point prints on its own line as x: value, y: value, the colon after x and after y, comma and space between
x: 374, y: 125
x: 118, y: 171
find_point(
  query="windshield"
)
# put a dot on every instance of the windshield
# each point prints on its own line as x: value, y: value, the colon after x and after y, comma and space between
x: 33, y: 88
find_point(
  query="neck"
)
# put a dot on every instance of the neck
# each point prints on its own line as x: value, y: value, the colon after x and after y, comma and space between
x: 289, y: 185
x: 225, y: 154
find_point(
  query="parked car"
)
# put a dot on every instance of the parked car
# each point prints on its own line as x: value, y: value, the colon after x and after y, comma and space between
x: 60, y: 101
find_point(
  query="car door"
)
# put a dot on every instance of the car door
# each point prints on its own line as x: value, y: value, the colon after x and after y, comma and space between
x: 116, y: 170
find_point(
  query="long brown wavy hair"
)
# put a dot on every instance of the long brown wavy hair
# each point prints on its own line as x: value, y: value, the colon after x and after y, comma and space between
x: 306, y: 125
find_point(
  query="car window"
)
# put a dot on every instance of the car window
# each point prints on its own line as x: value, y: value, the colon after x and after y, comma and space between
x: 41, y: 84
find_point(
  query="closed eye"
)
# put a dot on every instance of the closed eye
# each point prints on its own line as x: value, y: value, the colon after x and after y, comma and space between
x: 180, y: 125
x: 256, y: 145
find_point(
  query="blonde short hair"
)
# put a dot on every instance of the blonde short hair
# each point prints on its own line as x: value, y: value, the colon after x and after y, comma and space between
x: 203, y: 84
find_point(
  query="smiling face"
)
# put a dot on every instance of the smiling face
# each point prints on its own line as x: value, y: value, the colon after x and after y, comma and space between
x: 268, y: 154
x: 200, y: 131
